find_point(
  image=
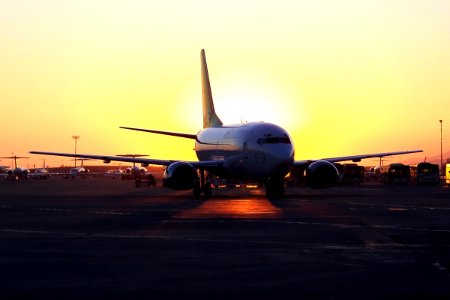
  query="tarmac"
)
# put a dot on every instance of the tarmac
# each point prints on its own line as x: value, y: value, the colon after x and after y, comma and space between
x: 106, y: 237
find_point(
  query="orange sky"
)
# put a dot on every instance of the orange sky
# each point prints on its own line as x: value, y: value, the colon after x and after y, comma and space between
x: 343, y: 77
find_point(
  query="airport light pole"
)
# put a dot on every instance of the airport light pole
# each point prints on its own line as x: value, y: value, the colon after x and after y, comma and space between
x: 442, y: 171
x: 75, y: 137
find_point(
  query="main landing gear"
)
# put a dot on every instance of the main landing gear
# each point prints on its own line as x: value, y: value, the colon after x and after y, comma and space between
x: 202, y: 186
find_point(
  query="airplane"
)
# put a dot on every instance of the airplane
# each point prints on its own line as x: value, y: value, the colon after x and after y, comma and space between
x: 74, y: 172
x: 18, y: 173
x: 4, y: 172
x: 81, y: 171
x: 134, y: 172
x: 115, y: 173
x: 138, y: 174
x: 258, y: 151
x: 78, y: 171
x: 4, y: 169
x: 40, y: 173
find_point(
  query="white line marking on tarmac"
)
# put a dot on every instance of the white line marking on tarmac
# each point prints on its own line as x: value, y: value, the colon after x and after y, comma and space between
x: 62, y: 210
x: 54, y: 209
x: 194, y: 239
x: 218, y: 240
x: 440, y: 267
x: 109, y: 213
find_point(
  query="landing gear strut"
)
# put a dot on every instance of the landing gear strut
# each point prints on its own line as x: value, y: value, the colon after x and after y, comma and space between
x: 202, y: 186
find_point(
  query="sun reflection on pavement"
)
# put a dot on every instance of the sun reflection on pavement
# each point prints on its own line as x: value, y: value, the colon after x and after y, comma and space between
x: 233, y: 208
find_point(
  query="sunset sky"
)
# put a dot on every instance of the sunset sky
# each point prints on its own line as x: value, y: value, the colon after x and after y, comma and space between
x: 343, y: 77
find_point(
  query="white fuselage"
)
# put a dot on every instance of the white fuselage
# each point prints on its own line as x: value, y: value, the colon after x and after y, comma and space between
x: 77, y: 171
x: 249, y: 151
x: 41, y: 173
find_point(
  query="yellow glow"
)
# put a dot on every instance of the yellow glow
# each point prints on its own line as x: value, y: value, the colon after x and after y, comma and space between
x: 343, y: 77
x: 249, y: 97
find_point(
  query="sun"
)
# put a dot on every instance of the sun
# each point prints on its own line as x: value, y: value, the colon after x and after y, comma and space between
x: 241, y: 98
x: 240, y: 105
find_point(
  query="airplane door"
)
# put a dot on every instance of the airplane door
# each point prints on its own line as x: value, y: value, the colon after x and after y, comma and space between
x: 244, y: 154
x: 242, y: 163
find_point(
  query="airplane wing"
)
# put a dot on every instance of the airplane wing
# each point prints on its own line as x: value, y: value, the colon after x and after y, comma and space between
x: 144, y: 161
x: 354, y: 158
x: 211, y: 164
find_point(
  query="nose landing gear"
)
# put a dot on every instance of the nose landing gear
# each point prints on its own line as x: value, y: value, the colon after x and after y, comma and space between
x: 202, y: 186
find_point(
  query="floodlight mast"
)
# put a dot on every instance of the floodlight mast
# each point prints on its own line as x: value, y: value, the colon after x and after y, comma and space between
x: 75, y: 137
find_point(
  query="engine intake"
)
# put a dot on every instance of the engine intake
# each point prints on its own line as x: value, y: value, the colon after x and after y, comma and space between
x: 180, y: 176
x: 321, y: 174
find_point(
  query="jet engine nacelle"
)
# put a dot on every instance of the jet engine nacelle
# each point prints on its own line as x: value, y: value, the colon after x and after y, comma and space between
x: 20, y: 172
x: 321, y: 174
x: 180, y: 176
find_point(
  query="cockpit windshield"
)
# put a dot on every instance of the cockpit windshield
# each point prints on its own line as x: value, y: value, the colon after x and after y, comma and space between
x: 269, y: 139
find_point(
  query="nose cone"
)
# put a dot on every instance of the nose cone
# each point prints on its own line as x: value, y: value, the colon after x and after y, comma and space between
x: 275, y: 144
x: 282, y: 157
x: 281, y: 152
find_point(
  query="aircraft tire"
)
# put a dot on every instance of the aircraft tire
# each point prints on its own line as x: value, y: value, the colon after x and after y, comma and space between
x: 207, y: 189
x: 197, y: 191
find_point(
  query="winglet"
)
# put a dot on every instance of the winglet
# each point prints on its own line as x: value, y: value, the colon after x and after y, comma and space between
x: 210, y: 119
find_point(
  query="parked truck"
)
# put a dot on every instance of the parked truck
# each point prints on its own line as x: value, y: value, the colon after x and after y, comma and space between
x: 396, y: 174
x: 425, y: 173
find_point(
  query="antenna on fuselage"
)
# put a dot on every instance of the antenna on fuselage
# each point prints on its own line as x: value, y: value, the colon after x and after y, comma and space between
x: 210, y: 118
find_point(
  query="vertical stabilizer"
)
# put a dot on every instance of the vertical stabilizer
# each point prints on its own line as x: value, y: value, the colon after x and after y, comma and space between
x: 210, y: 119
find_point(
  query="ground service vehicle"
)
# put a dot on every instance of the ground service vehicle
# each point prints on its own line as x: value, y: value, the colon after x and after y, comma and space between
x: 350, y: 174
x: 447, y: 173
x: 396, y: 174
x: 425, y: 173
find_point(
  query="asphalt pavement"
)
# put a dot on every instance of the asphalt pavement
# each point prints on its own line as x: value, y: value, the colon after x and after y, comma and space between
x: 102, y: 236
